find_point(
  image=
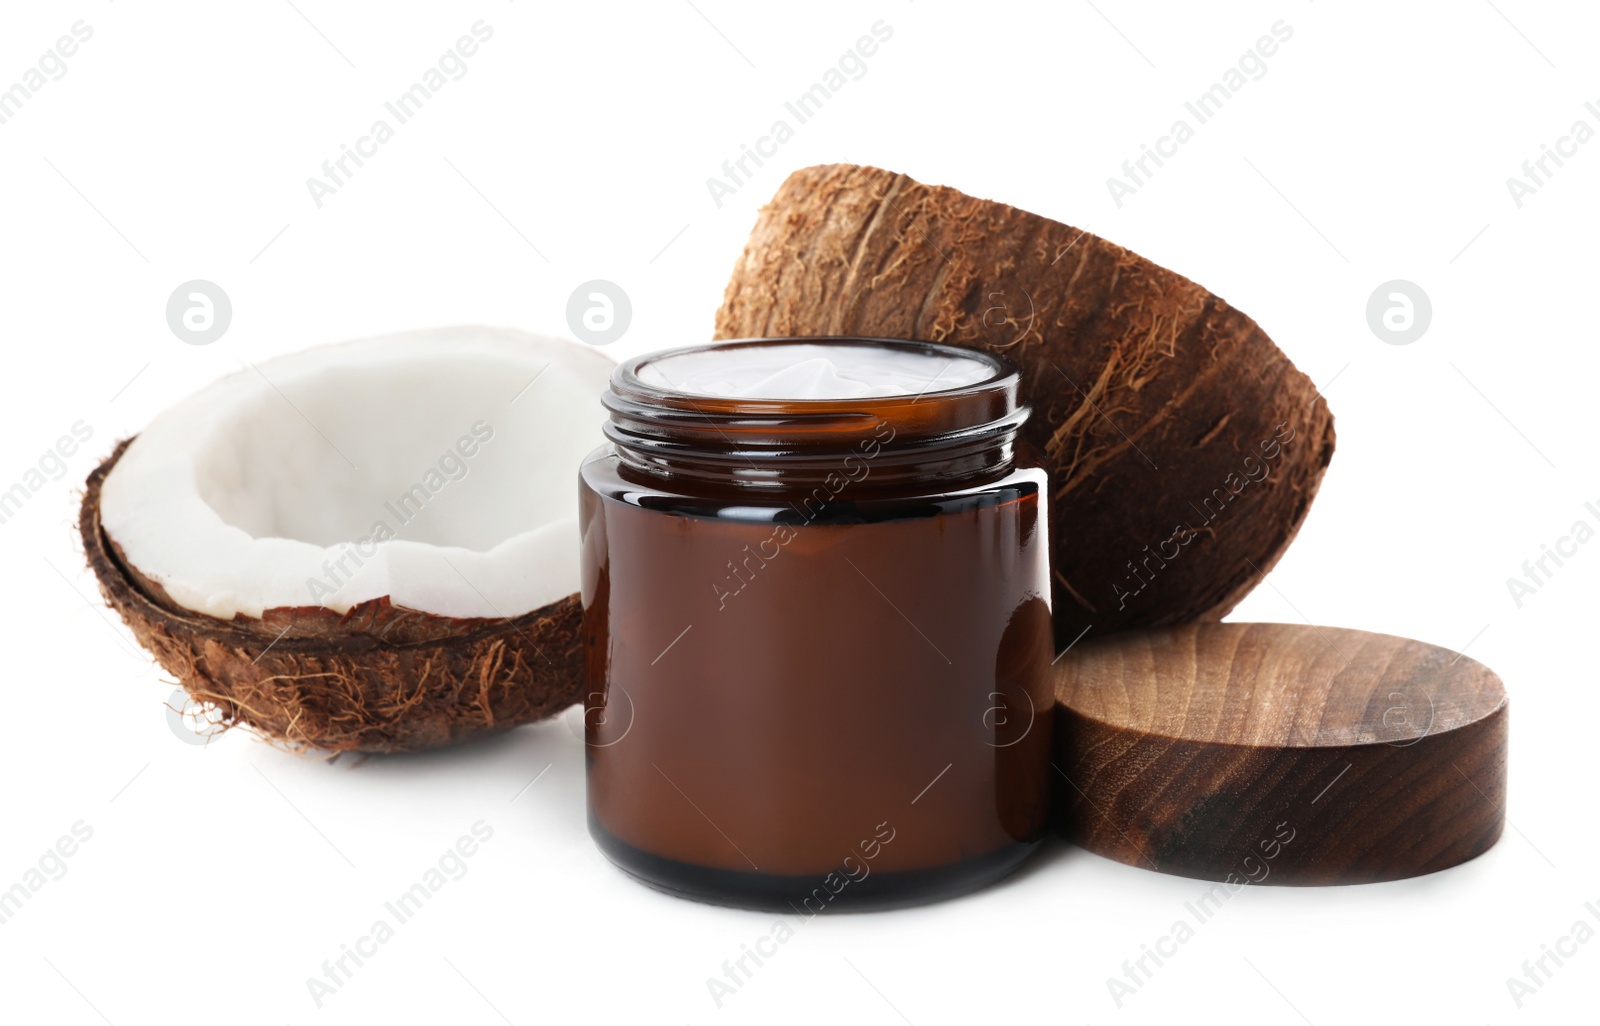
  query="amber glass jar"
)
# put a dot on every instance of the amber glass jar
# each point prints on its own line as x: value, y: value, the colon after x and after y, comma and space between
x: 817, y: 634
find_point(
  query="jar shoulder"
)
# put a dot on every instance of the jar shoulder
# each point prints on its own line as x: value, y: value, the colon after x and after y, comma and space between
x: 601, y: 476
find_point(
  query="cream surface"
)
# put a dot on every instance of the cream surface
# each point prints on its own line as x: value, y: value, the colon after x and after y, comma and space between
x: 804, y: 370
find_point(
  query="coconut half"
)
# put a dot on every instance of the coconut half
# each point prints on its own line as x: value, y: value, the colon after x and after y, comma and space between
x: 1184, y: 448
x: 369, y: 546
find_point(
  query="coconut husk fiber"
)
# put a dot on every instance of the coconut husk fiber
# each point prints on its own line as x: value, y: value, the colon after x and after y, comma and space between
x: 376, y: 679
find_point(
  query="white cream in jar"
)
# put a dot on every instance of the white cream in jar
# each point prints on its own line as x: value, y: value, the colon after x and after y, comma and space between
x: 801, y: 371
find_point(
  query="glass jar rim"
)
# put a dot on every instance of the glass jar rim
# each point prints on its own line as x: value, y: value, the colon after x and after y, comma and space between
x: 961, y: 432
x: 627, y: 381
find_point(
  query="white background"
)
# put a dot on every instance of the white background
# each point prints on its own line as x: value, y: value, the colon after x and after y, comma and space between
x: 1376, y: 147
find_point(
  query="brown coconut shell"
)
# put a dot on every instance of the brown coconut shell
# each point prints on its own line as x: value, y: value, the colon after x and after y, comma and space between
x: 1153, y: 400
x: 379, y: 678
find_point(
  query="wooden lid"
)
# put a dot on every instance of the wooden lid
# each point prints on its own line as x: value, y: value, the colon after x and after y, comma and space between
x: 1279, y: 753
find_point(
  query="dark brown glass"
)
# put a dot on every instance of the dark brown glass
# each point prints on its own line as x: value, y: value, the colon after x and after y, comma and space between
x: 817, y: 642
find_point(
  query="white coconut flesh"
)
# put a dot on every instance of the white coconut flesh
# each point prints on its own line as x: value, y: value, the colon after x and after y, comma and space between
x: 438, y: 469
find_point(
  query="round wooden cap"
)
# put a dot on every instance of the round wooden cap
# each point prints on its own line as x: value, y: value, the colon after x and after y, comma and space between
x: 1279, y: 753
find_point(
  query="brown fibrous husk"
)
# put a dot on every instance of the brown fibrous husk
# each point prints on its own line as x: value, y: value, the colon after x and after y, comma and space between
x: 1152, y: 398
x: 379, y: 678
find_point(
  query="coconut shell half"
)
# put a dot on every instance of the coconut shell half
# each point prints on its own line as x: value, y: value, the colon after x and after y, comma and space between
x: 1184, y: 448
x: 378, y: 678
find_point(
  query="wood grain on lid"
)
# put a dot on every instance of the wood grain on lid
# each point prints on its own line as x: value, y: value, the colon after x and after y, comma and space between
x: 1278, y: 753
